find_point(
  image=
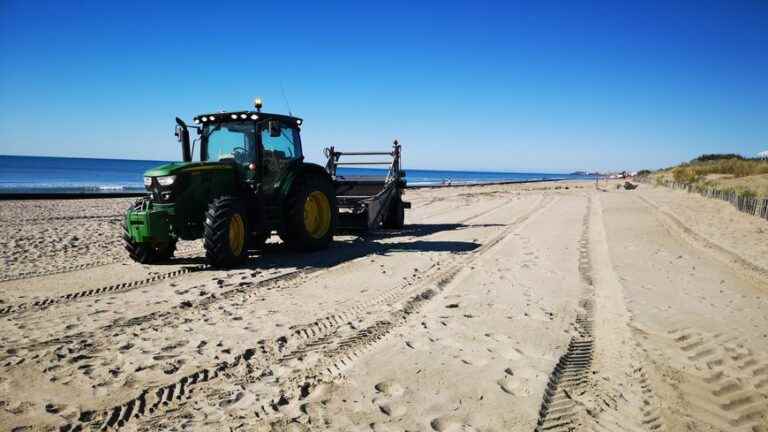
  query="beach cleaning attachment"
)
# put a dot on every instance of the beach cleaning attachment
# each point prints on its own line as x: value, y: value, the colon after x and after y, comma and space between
x: 371, y: 198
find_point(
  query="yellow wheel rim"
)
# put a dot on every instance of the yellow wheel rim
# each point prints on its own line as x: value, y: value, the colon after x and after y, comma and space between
x: 317, y: 214
x: 236, y: 234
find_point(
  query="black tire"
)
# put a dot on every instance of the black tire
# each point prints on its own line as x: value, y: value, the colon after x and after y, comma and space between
x: 295, y: 233
x: 141, y: 253
x: 220, y: 249
x: 145, y: 253
x: 395, y: 217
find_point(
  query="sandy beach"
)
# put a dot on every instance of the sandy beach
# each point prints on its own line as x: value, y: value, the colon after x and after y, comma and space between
x: 497, y: 308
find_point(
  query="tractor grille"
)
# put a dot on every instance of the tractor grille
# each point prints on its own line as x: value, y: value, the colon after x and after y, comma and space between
x: 165, y: 194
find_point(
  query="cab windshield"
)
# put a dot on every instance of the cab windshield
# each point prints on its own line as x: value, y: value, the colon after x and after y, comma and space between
x: 233, y: 141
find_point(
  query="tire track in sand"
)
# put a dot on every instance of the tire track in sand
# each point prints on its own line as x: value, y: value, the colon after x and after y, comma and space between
x: 43, y: 303
x: 18, y: 354
x: 333, y: 341
x: 188, y: 252
x: 728, y: 385
x: 674, y: 224
x: 559, y: 408
x: 324, y: 360
x: 598, y: 384
x: 621, y: 396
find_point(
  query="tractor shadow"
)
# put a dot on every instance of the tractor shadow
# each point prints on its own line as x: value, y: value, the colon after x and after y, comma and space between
x: 349, y: 246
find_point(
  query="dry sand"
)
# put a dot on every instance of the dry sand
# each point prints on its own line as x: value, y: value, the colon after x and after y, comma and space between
x: 497, y: 308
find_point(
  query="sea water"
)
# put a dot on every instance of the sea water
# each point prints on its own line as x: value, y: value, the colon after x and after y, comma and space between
x: 58, y: 174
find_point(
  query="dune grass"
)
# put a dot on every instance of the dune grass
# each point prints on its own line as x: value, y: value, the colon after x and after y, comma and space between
x: 725, y: 172
x: 693, y: 172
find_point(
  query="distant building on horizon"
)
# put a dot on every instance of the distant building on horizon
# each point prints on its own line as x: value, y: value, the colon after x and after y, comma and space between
x: 763, y: 154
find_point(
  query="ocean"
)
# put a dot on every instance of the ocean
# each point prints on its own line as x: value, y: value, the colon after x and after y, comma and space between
x: 25, y: 174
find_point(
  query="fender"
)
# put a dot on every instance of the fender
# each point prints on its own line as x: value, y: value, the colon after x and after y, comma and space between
x: 302, y: 169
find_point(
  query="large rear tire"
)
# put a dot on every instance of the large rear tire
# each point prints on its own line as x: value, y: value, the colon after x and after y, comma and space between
x: 311, y: 214
x: 226, y: 233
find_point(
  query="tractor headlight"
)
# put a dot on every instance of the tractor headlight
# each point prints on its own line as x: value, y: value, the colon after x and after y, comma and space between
x: 166, y: 180
x: 147, y: 181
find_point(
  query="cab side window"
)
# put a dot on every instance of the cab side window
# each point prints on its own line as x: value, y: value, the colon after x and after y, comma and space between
x: 280, y: 151
x: 286, y: 146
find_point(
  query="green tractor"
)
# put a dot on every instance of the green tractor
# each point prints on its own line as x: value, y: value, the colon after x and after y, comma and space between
x: 251, y: 180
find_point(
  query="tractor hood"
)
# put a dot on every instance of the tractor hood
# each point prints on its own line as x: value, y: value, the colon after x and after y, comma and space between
x: 174, y: 168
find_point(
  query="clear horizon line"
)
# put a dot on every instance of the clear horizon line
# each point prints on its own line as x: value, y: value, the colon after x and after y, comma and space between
x: 511, y: 171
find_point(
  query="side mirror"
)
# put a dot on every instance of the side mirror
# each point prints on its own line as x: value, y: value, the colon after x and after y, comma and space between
x: 275, y: 130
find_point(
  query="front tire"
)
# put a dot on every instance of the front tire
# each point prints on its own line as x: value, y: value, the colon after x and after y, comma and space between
x: 144, y: 253
x: 311, y: 214
x: 141, y: 253
x: 226, y: 233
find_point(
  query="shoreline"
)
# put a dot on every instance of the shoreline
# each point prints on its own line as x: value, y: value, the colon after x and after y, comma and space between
x: 10, y: 196
x: 494, y: 183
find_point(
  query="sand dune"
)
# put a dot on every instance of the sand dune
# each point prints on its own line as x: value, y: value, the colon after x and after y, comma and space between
x: 498, y: 308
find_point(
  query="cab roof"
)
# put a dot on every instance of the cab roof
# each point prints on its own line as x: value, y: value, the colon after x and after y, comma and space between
x: 244, y: 115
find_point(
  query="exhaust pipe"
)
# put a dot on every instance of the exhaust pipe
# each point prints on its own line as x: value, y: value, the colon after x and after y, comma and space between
x: 182, y: 133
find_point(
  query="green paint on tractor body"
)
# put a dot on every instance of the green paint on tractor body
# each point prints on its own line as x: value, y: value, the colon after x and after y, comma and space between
x: 152, y: 225
x: 249, y: 163
x: 177, y: 211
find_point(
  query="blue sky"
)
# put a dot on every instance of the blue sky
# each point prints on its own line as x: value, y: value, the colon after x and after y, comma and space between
x: 464, y: 85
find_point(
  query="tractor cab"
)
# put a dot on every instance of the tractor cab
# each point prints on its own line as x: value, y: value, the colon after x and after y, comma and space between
x: 261, y: 146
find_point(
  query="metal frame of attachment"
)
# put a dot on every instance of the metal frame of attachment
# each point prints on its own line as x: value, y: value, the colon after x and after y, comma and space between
x: 366, y: 210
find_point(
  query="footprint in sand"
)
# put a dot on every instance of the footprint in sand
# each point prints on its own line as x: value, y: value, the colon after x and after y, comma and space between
x: 291, y: 427
x: 516, y: 381
x: 472, y: 360
x: 389, y: 388
x: 511, y: 385
x: 316, y: 413
x: 381, y: 427
x: 450, y: 424
x: 390, y: 408
x: 238, y: 400
x: 54, y: 408
x: 314, y: 410
x: 18, y: 407
x: 412, y: 344
x: 537, y: 315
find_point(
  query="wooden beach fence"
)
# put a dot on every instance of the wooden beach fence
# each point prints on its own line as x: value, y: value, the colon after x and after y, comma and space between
x: 743, y: 202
